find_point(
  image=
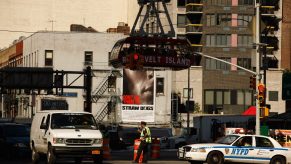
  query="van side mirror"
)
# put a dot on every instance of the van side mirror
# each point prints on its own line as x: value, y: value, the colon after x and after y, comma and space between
x: 43, y: 126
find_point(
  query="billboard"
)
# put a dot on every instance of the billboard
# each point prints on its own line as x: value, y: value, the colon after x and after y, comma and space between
x: 138, y: 96
x: 282, y: 136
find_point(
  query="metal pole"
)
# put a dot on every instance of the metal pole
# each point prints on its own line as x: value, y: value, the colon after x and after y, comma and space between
x: 223, y: 61
x: 188, y: 104
x: 257, y: 65
x: 2, y: 105
x: 88, y: 88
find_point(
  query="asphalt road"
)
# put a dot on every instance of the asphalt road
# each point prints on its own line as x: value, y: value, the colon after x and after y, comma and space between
x: 117, y: 157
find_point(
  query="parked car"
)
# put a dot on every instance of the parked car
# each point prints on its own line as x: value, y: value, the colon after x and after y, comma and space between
x: 128, y: 135
x: 115, y: 142
x: 165, y: 135
x: 65, y: 134
x: 14, y: 140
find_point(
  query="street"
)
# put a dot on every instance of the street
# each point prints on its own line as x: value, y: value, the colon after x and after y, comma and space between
x: 117, y: 157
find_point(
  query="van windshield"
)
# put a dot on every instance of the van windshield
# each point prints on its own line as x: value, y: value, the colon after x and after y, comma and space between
x: 73, y: 121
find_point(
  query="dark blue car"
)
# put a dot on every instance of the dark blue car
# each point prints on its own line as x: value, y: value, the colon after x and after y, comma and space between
x: 14, y: 140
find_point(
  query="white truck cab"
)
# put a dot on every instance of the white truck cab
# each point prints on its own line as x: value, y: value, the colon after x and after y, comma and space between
x: 65, y: 134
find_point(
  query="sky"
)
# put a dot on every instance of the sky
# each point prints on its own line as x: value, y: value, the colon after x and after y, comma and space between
x: 37, y: 15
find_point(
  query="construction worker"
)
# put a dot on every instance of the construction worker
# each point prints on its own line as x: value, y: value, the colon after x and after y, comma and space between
x: 145, y: 140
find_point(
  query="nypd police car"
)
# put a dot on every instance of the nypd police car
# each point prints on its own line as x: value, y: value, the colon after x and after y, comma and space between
x: 237, y: 148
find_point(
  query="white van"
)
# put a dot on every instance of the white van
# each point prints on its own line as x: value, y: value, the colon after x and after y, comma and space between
x: 65, y: 134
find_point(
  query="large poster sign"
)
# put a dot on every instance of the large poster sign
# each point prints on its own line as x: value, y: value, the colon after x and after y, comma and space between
x: 282, y: 136
x: 138, y: 96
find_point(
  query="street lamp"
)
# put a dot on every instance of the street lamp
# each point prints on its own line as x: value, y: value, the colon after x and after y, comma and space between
x: 257, y: 73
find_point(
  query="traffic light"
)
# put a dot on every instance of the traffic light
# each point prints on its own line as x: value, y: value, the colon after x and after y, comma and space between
x: 253, y: 82
x: 134, y: 61
x: 264, y: 112
x: 261, y: 94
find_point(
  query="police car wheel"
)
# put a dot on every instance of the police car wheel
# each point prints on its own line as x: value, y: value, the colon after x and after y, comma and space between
x: 278, y: 160
x: 215, y: 158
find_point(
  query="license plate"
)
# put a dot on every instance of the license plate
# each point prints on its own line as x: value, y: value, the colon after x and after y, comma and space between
x: 95, y: 151
x: 182, y: 155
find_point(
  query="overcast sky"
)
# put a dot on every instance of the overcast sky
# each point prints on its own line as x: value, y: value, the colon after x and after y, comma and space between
x: 36, y: 15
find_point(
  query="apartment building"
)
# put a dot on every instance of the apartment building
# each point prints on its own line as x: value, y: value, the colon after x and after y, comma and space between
x: 225, y: 29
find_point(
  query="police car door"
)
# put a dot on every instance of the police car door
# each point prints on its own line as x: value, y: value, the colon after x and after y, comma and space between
x: 242, y: 150
x: 264, y: 150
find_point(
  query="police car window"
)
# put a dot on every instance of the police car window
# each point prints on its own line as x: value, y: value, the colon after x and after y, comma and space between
x: 229, y: 139
x: 263, y: 142
x: 244, y: 141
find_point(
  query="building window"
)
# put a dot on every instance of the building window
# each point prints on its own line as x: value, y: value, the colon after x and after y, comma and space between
x: 185, y: 92
x: 244, y: 20
x: 48, y: 58
x: 209, y: 97
x: 181, y: 20
x: 226, y: 97
x: 219, y: 97
x: 220, y: 19
x: 211, y: 64
x: 244, y: 62
x: 88, y: 57
x: 219, y: 2
x: 273, y: 95
x: 210, y: 20
x: 160, y: 85
x: 181, y: 3
x: 248, y: 97
x: 240, y: 98
x: 218, y: 40
x: 244, y: 40
x: 245, y: 2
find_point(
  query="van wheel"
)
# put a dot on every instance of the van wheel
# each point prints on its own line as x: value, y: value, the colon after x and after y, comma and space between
x: 97, y: 159
x: 51, y: 158
x: 34, y: 155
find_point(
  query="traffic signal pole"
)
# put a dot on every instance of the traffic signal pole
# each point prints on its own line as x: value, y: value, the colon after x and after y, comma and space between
x: 257, y: 7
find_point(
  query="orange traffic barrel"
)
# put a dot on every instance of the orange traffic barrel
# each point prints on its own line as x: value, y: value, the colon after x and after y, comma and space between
x: 156, y: 148
x: 135, y: 149
x: 106, y: 149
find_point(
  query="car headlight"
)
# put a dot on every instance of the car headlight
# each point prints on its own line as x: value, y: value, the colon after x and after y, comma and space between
x: 98, y: 141
x: 202, y: 150
x: 58, y: 140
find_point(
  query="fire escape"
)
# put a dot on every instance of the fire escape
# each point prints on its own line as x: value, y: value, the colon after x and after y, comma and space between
x: 106, y: 90
x: 194, y: 12
x: 269, y: 28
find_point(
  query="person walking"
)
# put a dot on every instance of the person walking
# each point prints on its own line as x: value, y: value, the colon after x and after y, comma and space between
x: 145, y: 140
